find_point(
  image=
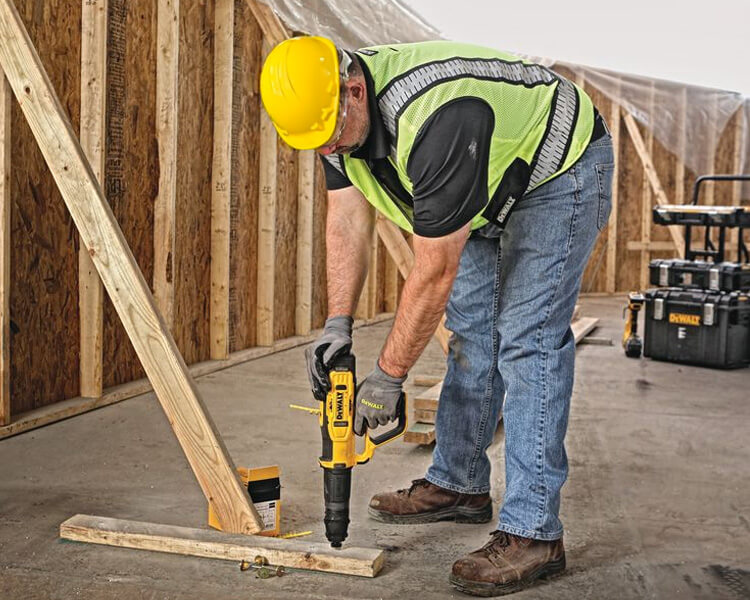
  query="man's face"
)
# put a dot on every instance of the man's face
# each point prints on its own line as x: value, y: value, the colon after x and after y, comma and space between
x: 353, y: 124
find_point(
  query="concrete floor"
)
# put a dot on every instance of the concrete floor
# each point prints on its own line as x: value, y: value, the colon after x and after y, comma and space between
x: 657, y: 504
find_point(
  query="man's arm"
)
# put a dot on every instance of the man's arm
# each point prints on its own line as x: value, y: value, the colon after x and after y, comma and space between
x: 423, y: 299
x: 349, y: 229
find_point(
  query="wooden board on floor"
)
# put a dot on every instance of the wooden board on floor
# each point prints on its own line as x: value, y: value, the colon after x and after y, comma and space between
x: 364, y: 562
x: 428, y: 400
x: 420, y: 433
x: 583, y: 327
x: 425, y: 416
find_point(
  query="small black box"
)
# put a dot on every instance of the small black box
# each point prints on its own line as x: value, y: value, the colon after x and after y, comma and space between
x: 698, y: 274
x: 699, y: 327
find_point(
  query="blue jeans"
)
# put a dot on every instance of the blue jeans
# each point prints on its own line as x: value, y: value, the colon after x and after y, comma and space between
x: 512, y: 348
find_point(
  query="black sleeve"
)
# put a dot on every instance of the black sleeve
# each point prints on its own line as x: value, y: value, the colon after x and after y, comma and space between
x: 448, y: 166
x: 336, y: 178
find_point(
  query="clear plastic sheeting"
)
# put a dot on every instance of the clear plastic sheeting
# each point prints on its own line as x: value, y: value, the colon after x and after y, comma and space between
x: 355, y: 23
x: 687, y: 120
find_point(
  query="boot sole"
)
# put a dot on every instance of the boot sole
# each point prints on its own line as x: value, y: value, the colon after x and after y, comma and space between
x: 456, y: 513
x: 479, y: 588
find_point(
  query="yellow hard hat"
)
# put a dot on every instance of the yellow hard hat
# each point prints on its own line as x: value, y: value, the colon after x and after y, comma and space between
x: 299, y: 85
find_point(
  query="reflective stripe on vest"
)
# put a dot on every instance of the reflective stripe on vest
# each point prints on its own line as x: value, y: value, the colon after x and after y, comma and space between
x: 551, y: 153
x: 397, y: 95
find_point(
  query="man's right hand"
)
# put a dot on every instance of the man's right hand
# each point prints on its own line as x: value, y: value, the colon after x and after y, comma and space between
x: 335, y: 341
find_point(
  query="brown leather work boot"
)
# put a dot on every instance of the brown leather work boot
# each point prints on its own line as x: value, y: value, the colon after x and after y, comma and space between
x: 506, y: 564
x: 425, y: 502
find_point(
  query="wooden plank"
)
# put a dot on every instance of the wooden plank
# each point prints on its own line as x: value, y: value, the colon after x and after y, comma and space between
x: 403, y: 256
x: 93, y: 123
x: 648, y: 165
x: 75, y: 406
x: 306, y: 187
x: 614, y: 124
x: 583, y: 327
x: 221, y: 177
x: 266, y: 226
x: 205, y: 543
x: 646, y: 196
x: 373, y: 281
x: 427, y: 380
x: 167, y: 65
x: 390, y: 284
x: 5, y: 153
x: 272, y: 27
x: 119, y: 272
x: 420, y: 433
x: 651, y: 246
x: 428, y: 400
x: 425, y: 416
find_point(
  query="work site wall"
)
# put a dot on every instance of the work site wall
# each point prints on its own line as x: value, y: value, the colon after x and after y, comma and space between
x: 158, y: 176
x: 619, y: 261
x: 225, y: 221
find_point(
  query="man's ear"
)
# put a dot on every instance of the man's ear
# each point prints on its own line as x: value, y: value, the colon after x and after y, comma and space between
x: 358, y: 90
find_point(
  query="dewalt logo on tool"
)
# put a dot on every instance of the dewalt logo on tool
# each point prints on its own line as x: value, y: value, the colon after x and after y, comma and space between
x: 339, y: 406
x: 684, y: 319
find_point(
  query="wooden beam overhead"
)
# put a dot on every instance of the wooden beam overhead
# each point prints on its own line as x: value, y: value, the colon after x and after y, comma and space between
x: 128, y: 290
x: 5, y: 152
x: 167, y: 65
x: 221, y: 177
x: 93, y: 124
x: 206, y: 543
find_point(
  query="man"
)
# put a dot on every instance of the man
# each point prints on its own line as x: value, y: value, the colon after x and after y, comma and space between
x: 502, y: 170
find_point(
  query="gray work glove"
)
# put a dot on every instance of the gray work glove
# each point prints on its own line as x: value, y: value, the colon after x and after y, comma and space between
x: 335, y: 341
x: 377, y: 400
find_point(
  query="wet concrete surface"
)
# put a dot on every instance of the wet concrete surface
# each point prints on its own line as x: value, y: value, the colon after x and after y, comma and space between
x: 657, y: 504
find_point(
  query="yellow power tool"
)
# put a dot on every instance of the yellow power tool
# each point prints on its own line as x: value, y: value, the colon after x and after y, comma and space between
x: 339, y: 455
x: 630, y: 339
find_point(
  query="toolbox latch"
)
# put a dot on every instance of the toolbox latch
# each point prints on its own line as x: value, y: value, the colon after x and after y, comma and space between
x: 713, y: 278
x: 664, y: 275
x: 708, y: 313
x: 659, y: 309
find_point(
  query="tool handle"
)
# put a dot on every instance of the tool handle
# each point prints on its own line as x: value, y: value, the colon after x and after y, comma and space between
x: 388, y: 436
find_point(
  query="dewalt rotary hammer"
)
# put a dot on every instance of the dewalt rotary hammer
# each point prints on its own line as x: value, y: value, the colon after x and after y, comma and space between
x: 339, y: 455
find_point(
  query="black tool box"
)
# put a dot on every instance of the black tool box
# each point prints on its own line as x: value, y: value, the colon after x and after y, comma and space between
x: 699, y: 274
x: 699, y: 327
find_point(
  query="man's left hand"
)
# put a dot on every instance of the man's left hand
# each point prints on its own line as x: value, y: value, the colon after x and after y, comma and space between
x: 377, y: 400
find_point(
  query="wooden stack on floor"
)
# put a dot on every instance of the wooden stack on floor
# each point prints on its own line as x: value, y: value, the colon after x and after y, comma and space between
x: 422, y: 430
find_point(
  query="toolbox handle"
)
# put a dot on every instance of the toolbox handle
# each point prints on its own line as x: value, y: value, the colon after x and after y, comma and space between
x: 702, y: 178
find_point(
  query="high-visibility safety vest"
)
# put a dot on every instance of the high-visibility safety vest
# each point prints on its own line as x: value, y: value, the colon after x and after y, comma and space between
x: 543, y: 122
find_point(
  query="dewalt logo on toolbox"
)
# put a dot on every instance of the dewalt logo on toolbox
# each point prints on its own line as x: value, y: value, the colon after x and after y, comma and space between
x: 685, y: 319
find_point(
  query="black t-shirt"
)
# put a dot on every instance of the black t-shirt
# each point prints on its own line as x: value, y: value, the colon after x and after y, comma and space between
x: 447, y: 164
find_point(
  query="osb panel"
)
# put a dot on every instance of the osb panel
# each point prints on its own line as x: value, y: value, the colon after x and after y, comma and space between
x: 595, y: 274
x: 131, y: 174
x: 192, y: 261
x: 630, y: 193
x: 724, y: 160
x: 243, y: 252
x: 320, y: 292
x: 44, y: 248
x: 285, y: 274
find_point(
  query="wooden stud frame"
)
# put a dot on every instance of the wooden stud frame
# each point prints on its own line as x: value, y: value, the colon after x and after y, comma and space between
x: 221, y: 177
x: 167, y: 63
x: 5, y: 151
x: 93, y: 117
x: 128, y: 290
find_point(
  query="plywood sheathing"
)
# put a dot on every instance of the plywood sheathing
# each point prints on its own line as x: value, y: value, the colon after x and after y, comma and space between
x: 243, y: 276
x: 131, y: 178
x: 45, y: 342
